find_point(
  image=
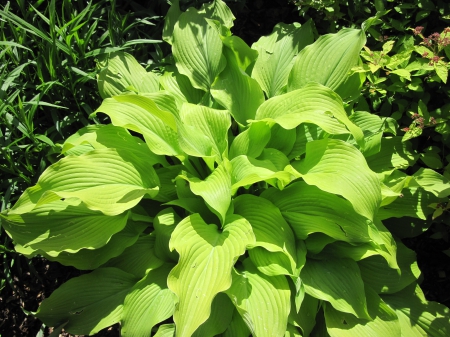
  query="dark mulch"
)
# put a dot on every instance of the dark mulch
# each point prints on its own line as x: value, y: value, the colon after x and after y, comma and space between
x: 31, y: 283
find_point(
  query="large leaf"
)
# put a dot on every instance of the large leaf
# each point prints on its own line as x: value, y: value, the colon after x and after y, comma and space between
x: 108, y: 180
x: 263, y: 301
x: 328, y: 60
x: 148, y: 303
x: 272, y: 233
x: 180, y: 86
x: 251, y: 142
x: 310, y: 210
x: 337, y: 281
x: 88, y: 303
x: 384, y: 323
x: 277, y: 53
x: 337, y: 167
x: 313, y: 103
x: 120, y: 72
x: 433, y: 182
x: 236, y: 91
x: 203, y: 272
x: 203, y: 131
x: 376, y: 273
x: 145, y: 119
x: 197, y: 49
x: 219, y: 11
x: 63, y: 226
x: 222, y: 310
x: 417, y: 316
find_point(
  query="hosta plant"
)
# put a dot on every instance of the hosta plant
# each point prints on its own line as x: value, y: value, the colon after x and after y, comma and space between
x: 234, y: 194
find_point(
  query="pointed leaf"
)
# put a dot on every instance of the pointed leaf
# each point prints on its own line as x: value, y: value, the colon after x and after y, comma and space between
x: 203, y: 272
x: 251, y: 142
x: 277, y: 53
x: 355, y: 181
x: 197, y: 49
x: 88, y: 303
x: 262, y: 301
x: 328, y: 60
x: 148, y: 303
x: 338, y: 282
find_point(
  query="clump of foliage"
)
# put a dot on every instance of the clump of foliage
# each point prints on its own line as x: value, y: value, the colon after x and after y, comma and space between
x: 234, y: 193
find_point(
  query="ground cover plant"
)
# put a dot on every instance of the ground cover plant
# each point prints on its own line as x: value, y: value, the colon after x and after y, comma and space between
x: 234, y: 192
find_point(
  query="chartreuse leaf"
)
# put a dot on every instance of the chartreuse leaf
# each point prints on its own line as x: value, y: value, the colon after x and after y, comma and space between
x: 215, y: 189
x: 164, y: 224
x: 180, y: 86
x: 107, y: 180
x: 394, y: 154
x: 305, y: 317
x: 337, y: 281
x: 337, y: 167
x: 222, y: 310
x: 240, y: 94
x: 310, y: 210
x: 203, y: 272
x: 197, y: 49
x: 90, y: 259
x: 417, y: 316
x: 247, y: 171
x: 252, y: 141
x: 313, y: 103
x: 161, y: 138
x: 384, y: 280
x: 277, y: 54
x: 148, y: 303
x: 120, y: 72
x: 237, y: 327
x: 166, y: 330
x: 328, y: 60
x: 274, y: 251
x: 218, y: 10
x: 93, y: 137
x: 263, y: 301
x: 203, y: 131
x: 305, y: 133
x: 384, y: 320
x: 433, y: 182
x: 139, y: 258
x: 63, y: 226
x: 244, y: 55
x: 88, y: 303
x: 171, y: 18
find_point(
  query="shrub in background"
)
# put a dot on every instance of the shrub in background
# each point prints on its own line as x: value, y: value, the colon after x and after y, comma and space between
x: 234, y: 193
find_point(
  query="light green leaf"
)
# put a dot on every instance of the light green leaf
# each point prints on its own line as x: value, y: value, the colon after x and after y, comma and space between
x: 236, y: 91
x: 337, y: 281
x: 277, y: 53
x: 49, y: 227
x: 180, y: 86
x: 166, y: 330
x: 417, y: 316
x: 272, y: 233
x: 394, y: 154
x: 310, y: 210
x: 314, y: 104
x: 385, y: 321
x: 203, y: 131
x: 90, y: 259
x: 120, y: 72
x: 252, y: 141
x: 337, y: 167
x: 137, y: 259
x: 108, y: 180
x: 148, y: 303
x: 262, y: 301
x: 222, y: 310
x: 88, y: 303
x: 441, y: 70
x: 161, y: 138
x: 170, y: 20
x: 164, y: 223
x: 203, y: 272
x: 305, y: 133
x: 197, y: 49
x: 218, y: 10
x: 247, y: 171
x: 244, y: 55
x: 93, y: 137
x: 215, y: 189
x: 328, y: 60
x: 433, y: 182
